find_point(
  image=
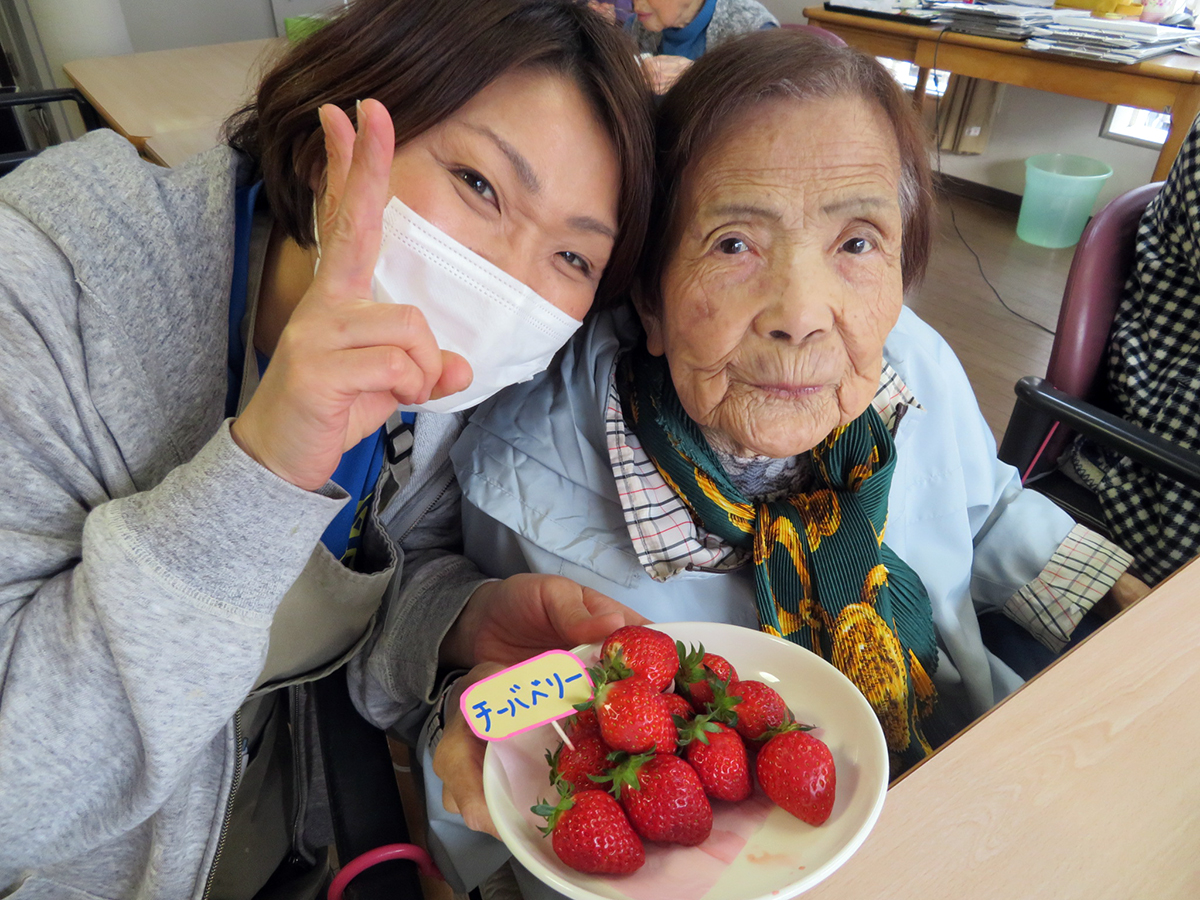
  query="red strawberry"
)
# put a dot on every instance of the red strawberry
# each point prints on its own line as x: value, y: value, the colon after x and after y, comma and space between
x: 643, y: 651
x: 664, y: 798
x: 677, y: 706
x: 633, y: 716
x: 719, y: 757
x: 796, y: 770
x: 759, y: 710
x: 695, y: 669
x: 590, y: 757
x: 592, y: 834
x: 582, y: 723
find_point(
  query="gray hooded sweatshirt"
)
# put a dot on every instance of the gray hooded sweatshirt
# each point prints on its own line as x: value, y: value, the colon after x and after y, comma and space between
x: 142, y: 554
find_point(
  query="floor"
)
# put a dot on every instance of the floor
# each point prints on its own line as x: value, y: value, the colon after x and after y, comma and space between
x: 995, y: 346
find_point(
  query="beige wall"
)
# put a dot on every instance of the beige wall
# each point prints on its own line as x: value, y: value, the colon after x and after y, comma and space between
x: 1030, y: 122
x: 166, y: 24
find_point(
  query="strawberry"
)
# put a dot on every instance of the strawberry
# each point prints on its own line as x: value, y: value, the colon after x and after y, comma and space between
x: 678, y: 707
x: 590, y: 757
x: 643, y: 651
x: 592, y: 833
x: 633, y: 716
x: 582, y: 723
x: 696, y: 669
x: 796, y: 770
x: 757, y: 708
x: 719, y: 757
x: 664, y: 798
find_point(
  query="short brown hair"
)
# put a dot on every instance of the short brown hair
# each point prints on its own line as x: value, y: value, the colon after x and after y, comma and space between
x: 424, y: 59
x: 769, y: 65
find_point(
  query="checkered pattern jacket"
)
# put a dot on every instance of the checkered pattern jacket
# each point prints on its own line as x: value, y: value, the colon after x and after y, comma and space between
x: 1154, y: 377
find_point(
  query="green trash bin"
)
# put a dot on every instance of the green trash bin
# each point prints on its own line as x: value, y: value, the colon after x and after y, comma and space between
x: 1060, y: 191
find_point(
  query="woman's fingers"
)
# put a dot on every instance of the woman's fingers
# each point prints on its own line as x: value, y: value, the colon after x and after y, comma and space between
x: 406, y: 349
x: 352, y: 212
x: 339, y: 150
x: 458, y: 760
x: 456, y: 376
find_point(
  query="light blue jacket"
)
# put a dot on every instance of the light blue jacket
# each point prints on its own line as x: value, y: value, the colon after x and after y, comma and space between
x: 539, y: 496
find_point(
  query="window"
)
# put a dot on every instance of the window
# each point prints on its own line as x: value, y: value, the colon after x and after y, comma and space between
x: 1142, y: 127
x: 906, y: 74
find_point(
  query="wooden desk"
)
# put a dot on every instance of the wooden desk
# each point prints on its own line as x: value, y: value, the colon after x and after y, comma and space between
x: 1084, y: 785
x: 185, y: 93
x: 1168, y: 83
x: 173, y: 147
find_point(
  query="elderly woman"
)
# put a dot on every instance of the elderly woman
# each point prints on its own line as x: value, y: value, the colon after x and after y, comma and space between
x: 673, y: 33
x: 773, y: 440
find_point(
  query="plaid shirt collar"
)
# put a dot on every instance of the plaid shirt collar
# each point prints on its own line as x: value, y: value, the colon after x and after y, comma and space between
x: 665, y: 537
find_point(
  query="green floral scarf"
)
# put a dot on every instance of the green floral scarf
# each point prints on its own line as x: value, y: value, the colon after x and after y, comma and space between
x: 824, y: 579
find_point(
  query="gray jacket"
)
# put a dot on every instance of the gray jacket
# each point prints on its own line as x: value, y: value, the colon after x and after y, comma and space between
x: 730, y: 18
x: 142, y: 554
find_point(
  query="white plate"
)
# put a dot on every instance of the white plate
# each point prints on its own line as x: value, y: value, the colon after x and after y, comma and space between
x: 757, y: 851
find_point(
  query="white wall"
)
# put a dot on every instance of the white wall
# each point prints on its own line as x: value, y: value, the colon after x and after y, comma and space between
x: 78, y: 29
x: 1030, y: 122
x: 166, y: 24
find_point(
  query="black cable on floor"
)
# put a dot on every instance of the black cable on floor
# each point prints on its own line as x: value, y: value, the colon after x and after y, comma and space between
x: 937, y: 107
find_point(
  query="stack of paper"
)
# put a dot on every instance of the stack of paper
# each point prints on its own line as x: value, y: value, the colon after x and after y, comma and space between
x: 1009, y: 21
x: 1108, y: 40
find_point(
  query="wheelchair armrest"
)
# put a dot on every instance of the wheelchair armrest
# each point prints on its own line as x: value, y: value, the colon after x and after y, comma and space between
x: 364, y: 801
x: 1144, y: 447
x: 87, y: 112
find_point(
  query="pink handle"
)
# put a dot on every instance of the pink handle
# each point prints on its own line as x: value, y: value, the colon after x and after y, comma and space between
x: 381, y: 854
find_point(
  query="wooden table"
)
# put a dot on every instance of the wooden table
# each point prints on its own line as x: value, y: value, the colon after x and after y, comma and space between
x: 1169, y: 83
x: 175, y: 100
x: 1083, y: 785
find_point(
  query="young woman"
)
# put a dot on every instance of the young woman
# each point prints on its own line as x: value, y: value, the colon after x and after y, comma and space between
x: 202, y: 504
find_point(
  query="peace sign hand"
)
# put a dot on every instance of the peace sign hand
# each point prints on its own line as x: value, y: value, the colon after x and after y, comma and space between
x: 344, y: 361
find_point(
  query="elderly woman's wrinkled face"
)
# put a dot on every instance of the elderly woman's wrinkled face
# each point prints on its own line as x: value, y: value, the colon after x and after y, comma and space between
x: 786, y: 279
x: 655, y: 15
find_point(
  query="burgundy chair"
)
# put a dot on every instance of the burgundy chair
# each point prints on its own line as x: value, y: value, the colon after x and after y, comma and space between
x: 818, y: 31
x: 1072, y: 398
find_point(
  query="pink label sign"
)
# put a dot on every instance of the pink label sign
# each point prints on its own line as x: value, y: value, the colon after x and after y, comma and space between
x: 526, y: 695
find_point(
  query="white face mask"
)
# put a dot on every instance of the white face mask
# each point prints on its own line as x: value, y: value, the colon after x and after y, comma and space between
x: 504, y: 330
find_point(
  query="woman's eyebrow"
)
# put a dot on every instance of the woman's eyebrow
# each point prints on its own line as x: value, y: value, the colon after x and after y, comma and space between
x: 746, y: 210
x: 587, y: 223
x: 853, y: 204
x: 520, y: 164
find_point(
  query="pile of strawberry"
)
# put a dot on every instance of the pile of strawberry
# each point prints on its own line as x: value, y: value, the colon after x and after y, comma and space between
x: 646, y: 762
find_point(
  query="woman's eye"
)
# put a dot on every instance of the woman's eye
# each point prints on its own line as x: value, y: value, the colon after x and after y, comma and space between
x: 857, y: 245
x: 478, y: 184
x: 574, y: 259
x: 732, y: 245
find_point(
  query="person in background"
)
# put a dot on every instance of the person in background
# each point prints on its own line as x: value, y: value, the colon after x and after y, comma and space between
x: 1153, y: 377
x: 203, y: 508
x: 768, y: 437
x: 673, y: 33
x: 616, y: 11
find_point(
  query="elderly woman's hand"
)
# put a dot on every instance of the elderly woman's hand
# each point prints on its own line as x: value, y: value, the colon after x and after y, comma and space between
x: 607, y: 11
x: 663, y: 71
x: 458, y: 759
x: 1127, y: 591
x: 509, y: 621
x: 343, y: 361
x: 506, y: 622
